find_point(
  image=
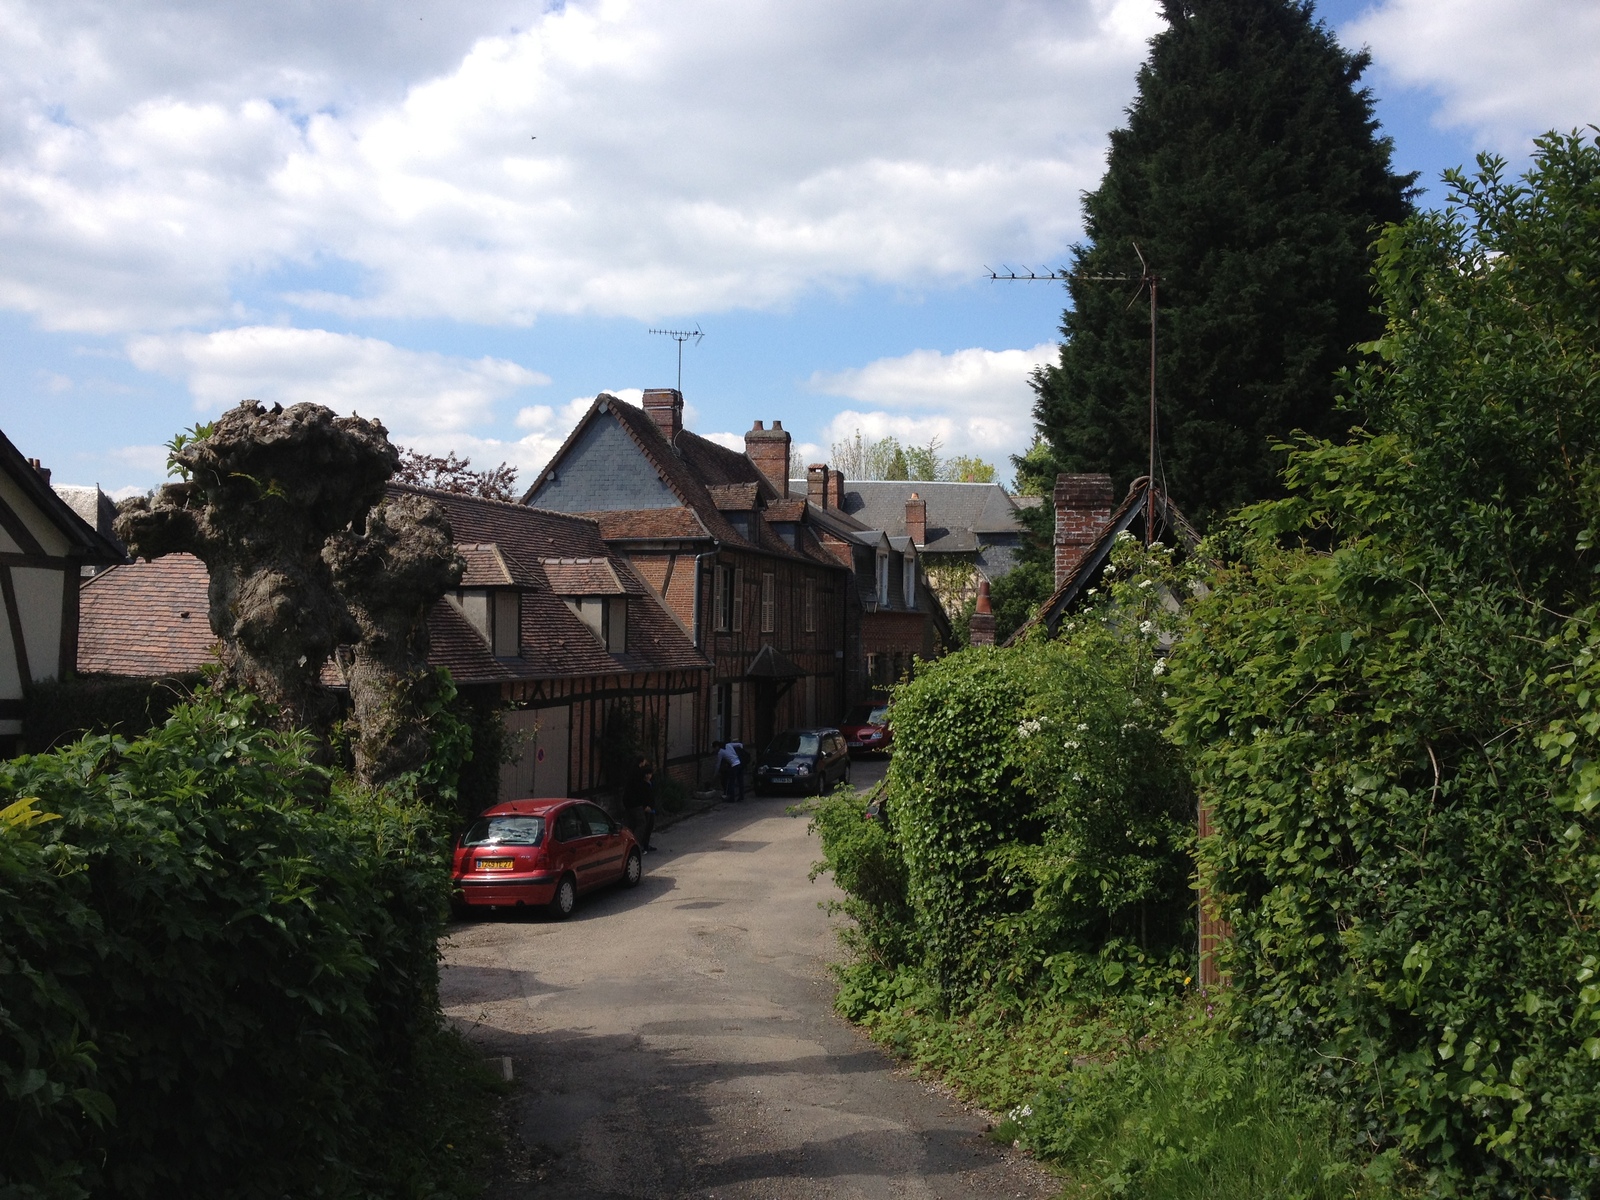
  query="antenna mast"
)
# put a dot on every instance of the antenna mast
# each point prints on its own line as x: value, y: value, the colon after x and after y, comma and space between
x: 1146, y: 279
x: 681, y: 336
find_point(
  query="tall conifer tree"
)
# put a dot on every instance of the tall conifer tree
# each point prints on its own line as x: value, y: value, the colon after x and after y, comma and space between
x: 1252, y: 176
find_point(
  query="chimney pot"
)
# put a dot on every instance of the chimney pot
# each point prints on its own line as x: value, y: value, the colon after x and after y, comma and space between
x: 1083, y: 505
x: 980, y: 629
x: 817, y: 484
x: 917, y: 519
x: 665, y: 408
x: 769, y: 450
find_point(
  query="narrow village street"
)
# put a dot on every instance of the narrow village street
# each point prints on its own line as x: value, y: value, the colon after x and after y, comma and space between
x: 678, y: 1040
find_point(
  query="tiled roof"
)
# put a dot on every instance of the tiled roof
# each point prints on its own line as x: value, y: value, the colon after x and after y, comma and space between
x: 735, y: 497
x: 581, y: 577
x: 131, y: 624
x: 146, y: 619
x: 486, y: 567
x: 650, y: 524
x: 87, y: 544
x: 787, y: 510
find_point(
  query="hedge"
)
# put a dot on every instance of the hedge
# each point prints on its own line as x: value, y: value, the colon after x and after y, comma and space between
x: 218, y: 966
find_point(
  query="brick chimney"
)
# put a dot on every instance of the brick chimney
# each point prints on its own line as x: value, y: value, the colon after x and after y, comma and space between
x: 917, y: 519
x: 1083, y: 506
x: 836, y: 490
x: 39, y: 467
x: 980, y: 630
x: 769, y: 450
x: 665, y: 406
x: 817, y: 484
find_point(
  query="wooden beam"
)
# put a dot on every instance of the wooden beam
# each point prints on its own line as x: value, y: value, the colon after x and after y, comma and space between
x: 8, y: 593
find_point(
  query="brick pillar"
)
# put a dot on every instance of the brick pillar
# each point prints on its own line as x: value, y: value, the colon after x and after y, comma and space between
x: 769, y: 450
x: 817, y: 484
x: 980, y: 632
x: 917, y: 519
x: 1083, y: 506
x: 1214, y: 931
x: 665, y: 406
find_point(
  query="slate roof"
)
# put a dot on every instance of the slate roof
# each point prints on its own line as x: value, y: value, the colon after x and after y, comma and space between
x: 145, y: 619
x: 960, y: 515
x: 1170, y: 524
x: 707, y: 479
x: 131, y: 621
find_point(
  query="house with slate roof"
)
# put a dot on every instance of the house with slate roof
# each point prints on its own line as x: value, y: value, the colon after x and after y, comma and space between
x: 45, y: 549
x: 963, y: 532
x: 760, y: 580
x: 547, y: 621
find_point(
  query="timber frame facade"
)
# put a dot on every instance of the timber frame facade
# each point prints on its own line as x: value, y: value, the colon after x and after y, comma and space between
x: 44, y: 548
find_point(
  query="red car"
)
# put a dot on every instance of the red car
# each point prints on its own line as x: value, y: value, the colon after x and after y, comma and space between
x: 529, y: 853
x: 866, y: 729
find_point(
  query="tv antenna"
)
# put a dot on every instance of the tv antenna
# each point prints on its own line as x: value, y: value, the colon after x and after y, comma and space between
x: 1145, y: 279
x: 681, y: 336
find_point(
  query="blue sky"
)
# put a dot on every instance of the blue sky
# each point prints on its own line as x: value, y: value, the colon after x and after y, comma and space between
x: 464, y: 216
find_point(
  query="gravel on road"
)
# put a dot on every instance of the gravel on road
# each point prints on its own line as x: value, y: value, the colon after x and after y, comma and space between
x: 678, y: 1040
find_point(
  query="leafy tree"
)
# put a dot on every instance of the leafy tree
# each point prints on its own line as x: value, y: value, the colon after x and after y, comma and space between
x: 1391, y: 696
x: 886, y: 458
x: 1251, y: 177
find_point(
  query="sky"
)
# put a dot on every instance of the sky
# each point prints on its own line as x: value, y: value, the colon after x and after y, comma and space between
x: 466, y: 217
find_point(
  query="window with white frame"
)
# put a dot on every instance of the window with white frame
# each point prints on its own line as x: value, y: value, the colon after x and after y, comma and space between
x: 769, y: 602
x: 811, y: 606
x: 722, y: 598
x: 909, y: 572
x: 738, y: 599
x: 883, y: 581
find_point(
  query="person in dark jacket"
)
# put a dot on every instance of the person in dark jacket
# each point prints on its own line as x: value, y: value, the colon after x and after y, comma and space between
x: 641, y: 803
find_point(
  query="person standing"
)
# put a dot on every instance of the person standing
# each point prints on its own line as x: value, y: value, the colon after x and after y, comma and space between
x: 641, y: 804
x: 730, y: 767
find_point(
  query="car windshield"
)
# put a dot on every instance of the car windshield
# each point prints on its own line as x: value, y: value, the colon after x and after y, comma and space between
x: 505, y: 831
x: 870, y: 714
x: 793, y: 742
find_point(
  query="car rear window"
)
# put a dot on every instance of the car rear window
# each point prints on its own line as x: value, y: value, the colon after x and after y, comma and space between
x: 793, y: 742
x: 505, y: 831
x: 878, y: 714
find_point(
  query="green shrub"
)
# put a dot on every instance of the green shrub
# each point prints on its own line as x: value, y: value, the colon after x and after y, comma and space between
x: 218, y: 970
x: 866, y: 863
x: 1043, y: 818
x: 1375, y: 689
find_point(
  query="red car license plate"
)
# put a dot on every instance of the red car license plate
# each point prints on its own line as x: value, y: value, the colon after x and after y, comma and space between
x: 495, y: 864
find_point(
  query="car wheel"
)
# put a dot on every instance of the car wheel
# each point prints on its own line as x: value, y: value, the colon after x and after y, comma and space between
x: 847, y: 774
x: 566, y: 898
x: 633, y: 869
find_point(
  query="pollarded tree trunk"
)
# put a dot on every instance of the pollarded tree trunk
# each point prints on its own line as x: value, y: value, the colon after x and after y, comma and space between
x: 264, y: 490
x: 389, y: 577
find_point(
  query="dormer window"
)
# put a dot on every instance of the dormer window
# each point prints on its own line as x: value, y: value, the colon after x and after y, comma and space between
x: 788, y: 531
x: 496, y: 613
x: 883, y: 580
x: 591, y: 589
x: 606, y: 617
x: 741, y: 523
x: 909, y: 571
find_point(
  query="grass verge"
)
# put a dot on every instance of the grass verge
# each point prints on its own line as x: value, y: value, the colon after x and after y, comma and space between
x: 1125, y: 1096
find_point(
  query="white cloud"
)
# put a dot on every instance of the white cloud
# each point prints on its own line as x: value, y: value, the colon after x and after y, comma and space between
x: 1505, y: 71
x: 974, y: 401
x: 420, y: 396
x: 690, y: 156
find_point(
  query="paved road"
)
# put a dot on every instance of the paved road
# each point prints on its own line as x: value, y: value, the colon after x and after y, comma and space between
x: 678, y: 1041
